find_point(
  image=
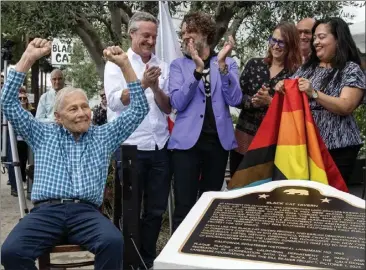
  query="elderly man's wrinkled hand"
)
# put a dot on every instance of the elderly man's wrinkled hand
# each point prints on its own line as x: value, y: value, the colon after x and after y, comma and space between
x: 37, y: 48
x: 116, y: 55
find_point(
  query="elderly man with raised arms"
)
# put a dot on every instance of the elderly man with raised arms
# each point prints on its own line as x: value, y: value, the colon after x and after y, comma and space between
x: 71, y: 165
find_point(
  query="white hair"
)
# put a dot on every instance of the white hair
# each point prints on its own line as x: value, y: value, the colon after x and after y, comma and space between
x: 55, y: 71
x: 60, y: 96
x: 140, y: 17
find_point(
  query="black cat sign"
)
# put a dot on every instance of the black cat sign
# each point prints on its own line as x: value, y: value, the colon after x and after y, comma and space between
x: 61, y: 51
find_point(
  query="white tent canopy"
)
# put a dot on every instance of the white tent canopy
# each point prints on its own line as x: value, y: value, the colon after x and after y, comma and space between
x: 358, y: 34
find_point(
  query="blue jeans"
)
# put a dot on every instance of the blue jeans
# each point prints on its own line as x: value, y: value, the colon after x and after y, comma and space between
x: 47, y: 225
x: 154, y: 180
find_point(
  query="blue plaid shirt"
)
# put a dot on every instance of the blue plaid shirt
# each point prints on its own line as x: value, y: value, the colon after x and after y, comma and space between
x: 65, y: 168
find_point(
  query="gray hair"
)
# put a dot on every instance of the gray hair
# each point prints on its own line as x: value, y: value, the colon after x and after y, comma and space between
x: 140, y: 17
x: 60, y: 96
x: 56, y: 70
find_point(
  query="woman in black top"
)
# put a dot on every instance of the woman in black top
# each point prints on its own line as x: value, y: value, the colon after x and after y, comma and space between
x: 258, y: 80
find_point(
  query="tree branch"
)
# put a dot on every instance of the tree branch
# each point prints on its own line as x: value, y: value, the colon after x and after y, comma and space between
x: 116, y: 23
x: 106, y: 22
x: 224, y: 13
x: 196, y: 5
x: 126, y: 9
x: 125, y: 18
x: 240, y: 16
x: 92, y: 42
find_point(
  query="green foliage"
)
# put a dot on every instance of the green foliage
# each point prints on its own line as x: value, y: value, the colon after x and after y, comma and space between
x: 359, y: 115
x: 83, y: 72
x: 234, y: 118
x: 263, y: 17
x: 252, y: 22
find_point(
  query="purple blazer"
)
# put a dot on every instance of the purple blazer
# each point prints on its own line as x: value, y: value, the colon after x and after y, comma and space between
x: 188, y: 98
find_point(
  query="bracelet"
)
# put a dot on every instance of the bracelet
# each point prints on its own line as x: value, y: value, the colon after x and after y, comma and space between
x: 225, y: 70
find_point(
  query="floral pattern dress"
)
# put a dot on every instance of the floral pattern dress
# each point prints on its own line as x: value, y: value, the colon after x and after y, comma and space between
x: 255, y: 74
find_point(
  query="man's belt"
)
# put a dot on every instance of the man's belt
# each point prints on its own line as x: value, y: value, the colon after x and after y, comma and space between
x: 61, y: 201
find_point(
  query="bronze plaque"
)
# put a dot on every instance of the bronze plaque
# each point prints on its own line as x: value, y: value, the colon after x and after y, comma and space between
x: 289, y: 225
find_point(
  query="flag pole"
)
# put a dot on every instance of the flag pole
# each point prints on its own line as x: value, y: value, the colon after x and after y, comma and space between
x: 170, y: 199
x: 161, y: 36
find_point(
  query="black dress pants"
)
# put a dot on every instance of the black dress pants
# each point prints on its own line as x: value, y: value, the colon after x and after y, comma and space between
x: 345, y: 159
x: 197, y: 170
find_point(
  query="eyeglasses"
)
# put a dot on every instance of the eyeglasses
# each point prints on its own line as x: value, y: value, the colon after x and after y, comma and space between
x: 23, y: 98
x: 279, y: 42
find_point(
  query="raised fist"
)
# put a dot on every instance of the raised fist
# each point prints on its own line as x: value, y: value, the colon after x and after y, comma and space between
x: 116, y: 55
x: 38, y: 48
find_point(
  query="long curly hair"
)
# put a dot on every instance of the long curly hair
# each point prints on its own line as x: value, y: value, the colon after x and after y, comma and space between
x: 201, y: 23
x: 290, y: 35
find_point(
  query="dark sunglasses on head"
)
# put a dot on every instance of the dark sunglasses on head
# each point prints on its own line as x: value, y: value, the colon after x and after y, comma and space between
x: 273, y: 41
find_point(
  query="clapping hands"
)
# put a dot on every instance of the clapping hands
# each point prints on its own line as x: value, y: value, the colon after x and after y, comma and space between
x: 262, y: 98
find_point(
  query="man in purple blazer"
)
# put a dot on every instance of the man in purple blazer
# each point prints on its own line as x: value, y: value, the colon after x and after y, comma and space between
x: 202, y: 86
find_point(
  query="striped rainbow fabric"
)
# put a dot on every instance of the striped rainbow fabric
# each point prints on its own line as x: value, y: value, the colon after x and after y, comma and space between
x: 287, y: 146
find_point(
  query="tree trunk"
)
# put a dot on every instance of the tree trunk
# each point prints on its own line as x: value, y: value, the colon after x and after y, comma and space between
x: 93, y: 44
x: 224, y: 13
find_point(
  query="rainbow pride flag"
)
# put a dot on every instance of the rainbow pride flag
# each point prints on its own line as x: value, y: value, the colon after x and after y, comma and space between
x: 287, y: 146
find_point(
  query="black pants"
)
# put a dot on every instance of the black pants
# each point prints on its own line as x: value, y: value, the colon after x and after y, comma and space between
x: 235, y: 159
x: 154, y: 179
x: 23, y: 157
x: 345, y: 159
x: 197, y: 170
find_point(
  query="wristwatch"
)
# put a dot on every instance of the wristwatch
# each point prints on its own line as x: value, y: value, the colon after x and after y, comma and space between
x: 315, y: 94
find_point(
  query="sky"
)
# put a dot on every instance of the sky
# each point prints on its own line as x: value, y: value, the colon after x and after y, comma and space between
x: 358, y: 12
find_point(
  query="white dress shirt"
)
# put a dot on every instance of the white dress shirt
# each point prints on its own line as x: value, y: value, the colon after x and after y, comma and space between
x: 154, y: 128
x: 45, y: 107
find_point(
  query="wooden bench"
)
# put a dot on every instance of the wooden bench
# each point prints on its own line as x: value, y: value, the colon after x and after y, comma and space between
x: 45, y: 262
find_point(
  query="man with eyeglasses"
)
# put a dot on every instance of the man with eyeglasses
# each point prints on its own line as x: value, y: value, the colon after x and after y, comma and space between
x: 304, y: 27
x: 100, y: 111
x: 45, y: 105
